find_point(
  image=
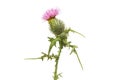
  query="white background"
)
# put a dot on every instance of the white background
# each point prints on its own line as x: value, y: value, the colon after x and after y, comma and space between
x: 24, y: 34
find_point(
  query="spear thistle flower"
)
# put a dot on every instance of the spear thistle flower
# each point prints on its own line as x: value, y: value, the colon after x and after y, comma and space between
x: 49, y: 14
x: 56, y: 26
x: 61, y: 33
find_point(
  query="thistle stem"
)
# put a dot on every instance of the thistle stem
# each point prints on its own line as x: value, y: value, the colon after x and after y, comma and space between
x: 56, y: 64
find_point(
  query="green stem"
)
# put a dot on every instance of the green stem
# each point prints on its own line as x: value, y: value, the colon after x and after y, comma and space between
x: 56, y: 64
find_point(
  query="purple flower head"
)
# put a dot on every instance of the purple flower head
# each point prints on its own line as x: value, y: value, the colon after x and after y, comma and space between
x: 49, y: 14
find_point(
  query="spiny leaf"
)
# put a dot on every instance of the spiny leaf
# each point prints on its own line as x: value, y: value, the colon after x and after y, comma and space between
x: 76, y: 32
x: 72, y: 46
x: 41, y: 57
x: 71, y: 51
x: 53, y: 43
x: 78, y: 58
x: 50, y: 39
x: 74, y: 51
x: 32, y: 58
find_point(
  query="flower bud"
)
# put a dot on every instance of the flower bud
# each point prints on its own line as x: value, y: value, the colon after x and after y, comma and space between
x: 56, y: 26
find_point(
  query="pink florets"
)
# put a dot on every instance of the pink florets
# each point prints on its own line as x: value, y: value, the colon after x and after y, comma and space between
x: 50, y: 14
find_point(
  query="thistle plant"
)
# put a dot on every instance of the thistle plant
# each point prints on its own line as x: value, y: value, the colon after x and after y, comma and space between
x: 57, y: 27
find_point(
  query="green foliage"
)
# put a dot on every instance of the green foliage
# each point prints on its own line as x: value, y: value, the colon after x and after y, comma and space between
x: 74, y: 51
x: 61, y: 38
x: 76, y: 32
x: 52, y: 43
x: 44, y: 55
